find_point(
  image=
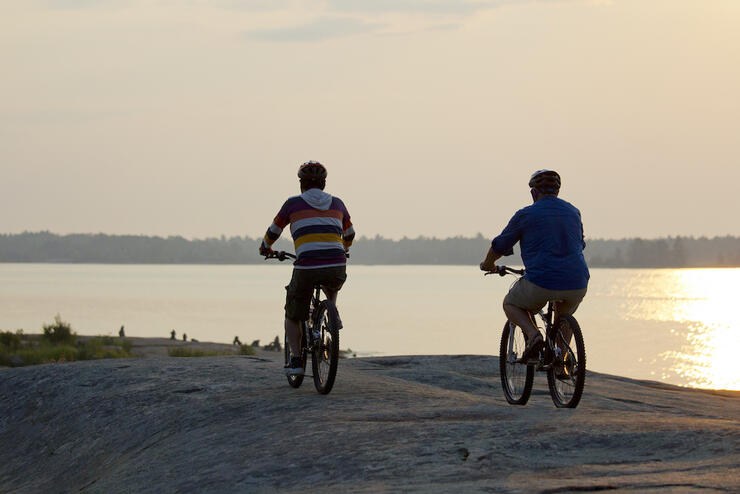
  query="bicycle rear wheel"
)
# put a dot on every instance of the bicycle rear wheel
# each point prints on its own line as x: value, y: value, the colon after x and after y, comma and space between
x: 325, y: 355
x: 516, y: 378
x: 567, y: 377
x: 296, y: 381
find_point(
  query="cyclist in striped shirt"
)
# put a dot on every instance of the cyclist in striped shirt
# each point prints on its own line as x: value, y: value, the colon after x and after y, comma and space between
x: 322, y: 234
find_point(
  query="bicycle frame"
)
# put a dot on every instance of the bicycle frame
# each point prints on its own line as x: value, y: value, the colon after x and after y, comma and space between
x: 562, y: 356
x: 308, y: 325
x: 319, y: 338
x: 545, y: 359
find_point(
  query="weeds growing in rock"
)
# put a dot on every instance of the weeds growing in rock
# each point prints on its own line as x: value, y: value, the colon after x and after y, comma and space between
x: 59, y: 332
x: 246, y: 350
x: 195, y: 352
x: 58, y: 343
x: 190, y: 352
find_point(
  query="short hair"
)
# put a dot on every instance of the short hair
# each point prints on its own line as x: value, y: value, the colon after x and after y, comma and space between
x: 312, y: 183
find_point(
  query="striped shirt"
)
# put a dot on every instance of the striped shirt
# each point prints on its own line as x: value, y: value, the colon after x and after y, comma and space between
x: 320, y: 226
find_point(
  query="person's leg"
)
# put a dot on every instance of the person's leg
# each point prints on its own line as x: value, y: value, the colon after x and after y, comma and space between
x: 297, y: 301
x: 522, y: 319
x: 332, y: 280
x: 523, y: 299
x: 330, y: 294
x: 568, y: 302
x: 293, y: 331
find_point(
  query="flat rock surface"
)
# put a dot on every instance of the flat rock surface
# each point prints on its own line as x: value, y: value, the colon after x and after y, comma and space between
x: 392, y: 424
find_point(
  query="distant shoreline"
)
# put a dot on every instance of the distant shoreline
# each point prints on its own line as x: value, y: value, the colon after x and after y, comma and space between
x: 47, y: 247
x: 95, y: 263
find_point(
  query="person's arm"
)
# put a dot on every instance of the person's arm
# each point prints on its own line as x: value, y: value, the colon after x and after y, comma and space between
x: 489, y: 263
x: 583, y: 235
x: 503, y: 245
x: 348, y: 231
x: 273, y: 232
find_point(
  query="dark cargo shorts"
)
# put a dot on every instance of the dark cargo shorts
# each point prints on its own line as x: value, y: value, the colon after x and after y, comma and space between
x: 300, y: 289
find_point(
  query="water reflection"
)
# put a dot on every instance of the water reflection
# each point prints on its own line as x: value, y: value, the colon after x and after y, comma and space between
x: 702, y: 306
x: 677, y: 326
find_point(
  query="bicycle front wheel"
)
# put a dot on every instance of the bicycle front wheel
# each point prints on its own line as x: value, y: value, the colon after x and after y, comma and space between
x: 567, y: 376
x: 516, y: 378
x: 325, y: 355
x: 296, y: 381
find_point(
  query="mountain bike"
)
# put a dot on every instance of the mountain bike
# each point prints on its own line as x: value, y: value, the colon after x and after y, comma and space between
x: 563, y: 357
x: 319, y: 338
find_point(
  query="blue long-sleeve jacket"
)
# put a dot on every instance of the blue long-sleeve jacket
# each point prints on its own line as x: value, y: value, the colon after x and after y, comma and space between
x: 550, y: 233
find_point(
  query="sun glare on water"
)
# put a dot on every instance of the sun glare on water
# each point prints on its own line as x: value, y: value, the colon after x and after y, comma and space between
x: 705, y: 301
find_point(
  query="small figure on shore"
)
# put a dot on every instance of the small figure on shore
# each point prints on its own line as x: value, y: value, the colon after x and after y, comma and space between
x: 184, y: 337
x: 236, y: 341
x: 256, y: 343
x: 172, y: 334
x: 274, y: 346
x: 121, y: 333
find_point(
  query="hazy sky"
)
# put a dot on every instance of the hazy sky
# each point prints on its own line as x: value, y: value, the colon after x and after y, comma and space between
x: 191, y: 117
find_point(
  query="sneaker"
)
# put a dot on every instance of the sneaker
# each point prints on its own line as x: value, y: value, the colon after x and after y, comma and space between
x: 295, y: 368
x: 531, y: 352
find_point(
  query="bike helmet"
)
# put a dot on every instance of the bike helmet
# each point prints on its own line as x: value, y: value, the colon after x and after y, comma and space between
x: 312, y: 170
x: 545, y: 181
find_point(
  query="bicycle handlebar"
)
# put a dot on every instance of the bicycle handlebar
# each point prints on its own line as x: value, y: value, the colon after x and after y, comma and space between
x: 504, y: 270
x: 280, y: 255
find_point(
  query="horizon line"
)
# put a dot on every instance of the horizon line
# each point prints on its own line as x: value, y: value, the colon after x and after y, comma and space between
x: 366, y: 236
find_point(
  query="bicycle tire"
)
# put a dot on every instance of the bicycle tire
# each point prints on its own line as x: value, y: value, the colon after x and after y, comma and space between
x: 325, y: 355
x: 296, y: 381
x: 516, y: 378
x: 566, y: 393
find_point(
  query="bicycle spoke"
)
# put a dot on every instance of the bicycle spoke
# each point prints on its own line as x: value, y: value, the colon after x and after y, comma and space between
x: 324, y: 343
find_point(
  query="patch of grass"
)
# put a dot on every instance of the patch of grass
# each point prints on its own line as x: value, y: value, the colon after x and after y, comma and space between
x: 11, y: 341
x: 44, y: 354
x: 58, y: 343
x: 195, y: 352
x: 59, y: 332
x: 104, y: 347
x: 127, y: 345
x: 246, y: 350
x: 191, y: 352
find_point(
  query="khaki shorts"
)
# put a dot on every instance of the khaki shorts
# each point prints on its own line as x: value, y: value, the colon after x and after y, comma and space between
x: 530, y: 297
x: 300, y: 289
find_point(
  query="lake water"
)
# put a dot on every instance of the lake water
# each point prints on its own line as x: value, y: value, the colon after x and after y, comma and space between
x: 673, y: 325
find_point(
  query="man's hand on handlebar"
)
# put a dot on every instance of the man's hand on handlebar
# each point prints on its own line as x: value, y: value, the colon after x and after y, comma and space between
x: 494, y: 270
x: 280, y: 255
x: 489, y: 267
x: 266, y: 251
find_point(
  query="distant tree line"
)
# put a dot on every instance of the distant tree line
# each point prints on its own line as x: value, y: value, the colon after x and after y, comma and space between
x: 136, y: 249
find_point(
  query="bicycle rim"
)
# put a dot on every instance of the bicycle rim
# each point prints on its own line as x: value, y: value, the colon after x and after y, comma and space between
x: 325, y: 355
x: 516, y: 378
x: 567, y: 378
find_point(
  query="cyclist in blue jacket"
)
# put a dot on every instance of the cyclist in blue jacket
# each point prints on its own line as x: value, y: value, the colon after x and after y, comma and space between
x: 550, y: 233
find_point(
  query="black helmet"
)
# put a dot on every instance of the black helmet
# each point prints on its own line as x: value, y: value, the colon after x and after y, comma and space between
x: 545, y: 181
x: 312, y: 170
